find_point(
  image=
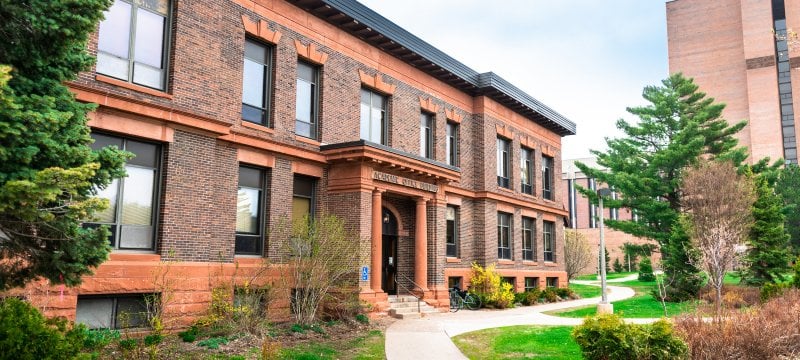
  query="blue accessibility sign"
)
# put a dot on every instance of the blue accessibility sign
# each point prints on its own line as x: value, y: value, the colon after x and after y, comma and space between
x: 364, y: 273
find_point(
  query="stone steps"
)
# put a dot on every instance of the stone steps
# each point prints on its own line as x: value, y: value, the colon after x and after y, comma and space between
x: 408, y: 307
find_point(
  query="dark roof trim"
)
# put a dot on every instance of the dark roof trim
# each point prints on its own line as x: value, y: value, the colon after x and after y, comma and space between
x: 410, y: 48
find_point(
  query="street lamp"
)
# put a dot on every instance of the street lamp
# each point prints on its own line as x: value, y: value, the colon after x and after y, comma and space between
x: 604, y: 307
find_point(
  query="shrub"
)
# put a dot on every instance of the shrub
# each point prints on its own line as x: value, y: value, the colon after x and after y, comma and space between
x: 362, y: 318
x: 771, y: 290
x: 128, y: 344
x: 189, y: 335
x: 565, y: 293
x: 532, y: 297
x: 796, y: 278
x: 213, y: 343
x: 519, y: 298
x: 153, y: 339
x: 550, y: 294
x: 618, y: 266
x: 733, y: 296
x: 25, y: 333
x: 646, y: 270
x: 769, y: 331
x: 100, y: 338
x: 487, y: 285
x: 607, y: 337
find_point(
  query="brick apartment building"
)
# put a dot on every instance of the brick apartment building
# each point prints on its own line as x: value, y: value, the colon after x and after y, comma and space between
x: 738, y: 52
x: 245, y: 113
x: 584, y: 217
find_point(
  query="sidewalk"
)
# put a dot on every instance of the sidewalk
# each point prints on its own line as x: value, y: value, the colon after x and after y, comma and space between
x: 429, y: 337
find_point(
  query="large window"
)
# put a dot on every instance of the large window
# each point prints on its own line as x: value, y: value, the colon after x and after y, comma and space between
x: 373, y: 117
x: 503, y: 236
x: 115, y: 312
x: 451, y: 145
x: 528, y: 239
x: 548, y: 232
x: 250, y: 211
x: 256, y: 82
x: 531, y: 283
x: 307, y: 100
x: 426, y: 135
x: 547, y: 177
x: 526, y: 170
x: 132, y: 42
x: 303, y: 199
x: 132, y: 200
x: 503, y: 162
x: 452, y: 231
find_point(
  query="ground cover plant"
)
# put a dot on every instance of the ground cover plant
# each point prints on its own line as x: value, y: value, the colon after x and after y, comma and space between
x: 607, y: 337
x: 519, y: 342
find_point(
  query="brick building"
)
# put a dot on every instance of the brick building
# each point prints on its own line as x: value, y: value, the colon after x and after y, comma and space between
x: 738, y: 52
x: 245, y: 113
x: 584, y: 217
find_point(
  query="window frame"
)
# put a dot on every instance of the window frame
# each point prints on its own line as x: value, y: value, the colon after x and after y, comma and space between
x: 553, y: 280
x: 504, y: 250
x: 312, y: 198
x: 115, y: 298
x: 384, y: 121
x: 266, y: 83
x: 528, y: 238
x: 426, y: 131
x: 534, y: 283
x: 548, y: 241
x: 262, y: 214
x: 116, y: 226
x: 503, y: 162
x: 548, y: 163
x: 315, y: 92
x: 454, y: 245
x: 526, y: 168
x: 166, y: 46
x: 451, y: 144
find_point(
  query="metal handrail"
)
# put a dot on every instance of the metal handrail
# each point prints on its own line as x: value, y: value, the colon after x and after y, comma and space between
x: 409, y: 290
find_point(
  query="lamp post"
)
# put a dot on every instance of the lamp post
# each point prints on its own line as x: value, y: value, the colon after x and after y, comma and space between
x: 604, y: 307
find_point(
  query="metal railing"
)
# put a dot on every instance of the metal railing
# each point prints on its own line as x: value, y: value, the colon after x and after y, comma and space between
x: 419, y: 299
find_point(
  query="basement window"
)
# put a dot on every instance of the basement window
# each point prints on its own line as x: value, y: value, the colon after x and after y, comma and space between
x: 116, y: 311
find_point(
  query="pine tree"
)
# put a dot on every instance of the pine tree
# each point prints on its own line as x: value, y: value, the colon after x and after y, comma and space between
x: 788, y: 187
x: 48, y: 173
x: 677, y: 126
x: 768, y: 253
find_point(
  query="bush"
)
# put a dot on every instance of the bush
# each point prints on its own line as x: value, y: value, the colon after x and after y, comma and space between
x: 607, y: 337
x: 153, y: 339
x: 25, y: 333
x: 362, y: 318
x: 100, y: 338
x: 646, y: 270
x: 772, y: 290
x: 128, y: 344
x: 550, y: 294
x: 565, y: 293
x: 189, y: 335
x: 213, y: 343
x: 487, y: 286
x: 618, y: 266
x: 769, y: 331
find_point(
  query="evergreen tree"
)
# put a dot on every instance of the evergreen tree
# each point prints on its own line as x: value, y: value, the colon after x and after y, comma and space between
x: 645, y: 166
x: 768, y: 253
x: 48, y: 173
x: 788, y: 188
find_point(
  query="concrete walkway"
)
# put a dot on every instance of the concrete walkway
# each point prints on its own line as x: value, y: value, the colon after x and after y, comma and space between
x: 429, y: 337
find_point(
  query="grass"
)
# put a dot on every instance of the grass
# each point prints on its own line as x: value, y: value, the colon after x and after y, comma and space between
x: 519, y: 342
x: 585, y: 291
x: 367, y: 347
x: 609, y: 276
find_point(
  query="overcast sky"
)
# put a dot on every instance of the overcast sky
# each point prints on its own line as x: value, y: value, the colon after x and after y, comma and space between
x: 586, y: 59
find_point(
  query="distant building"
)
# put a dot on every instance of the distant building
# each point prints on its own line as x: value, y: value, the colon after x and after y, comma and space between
x: 584, y: 217
x: 737, y: 52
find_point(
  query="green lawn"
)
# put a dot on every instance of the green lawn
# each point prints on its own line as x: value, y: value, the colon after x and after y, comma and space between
x: 370, y: 346
x: 519, y: 342
x: 593, y: 277
x: 642, y: 305
x: 585, y: 291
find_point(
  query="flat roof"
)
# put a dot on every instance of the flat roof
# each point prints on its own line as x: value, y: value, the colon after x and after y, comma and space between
x: 371, y: 27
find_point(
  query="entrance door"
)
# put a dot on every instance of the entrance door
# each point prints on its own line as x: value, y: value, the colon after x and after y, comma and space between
x: 389, y: 252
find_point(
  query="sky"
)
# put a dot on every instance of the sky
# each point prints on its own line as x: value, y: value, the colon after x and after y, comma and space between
x: 588, y: 60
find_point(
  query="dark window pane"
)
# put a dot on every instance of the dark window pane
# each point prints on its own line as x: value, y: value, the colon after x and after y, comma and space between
x: 250, y: 177
x: 303, y: 186
x: 146, y: 154
x: 101, y: 141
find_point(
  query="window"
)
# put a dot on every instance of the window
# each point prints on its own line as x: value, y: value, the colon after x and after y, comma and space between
x: 256, y: 82
x: 455, y: 281
x: 132, y: 42
x: 452, y: 231
x: 531, y: 283
x: 528, y: 236
x: 373, y: 117
x: 526, y: 170
x: 548, y: 230
x: 250, y: 211
x: 303, y: 200
x: 502, y: 163
x: 115, y: 312
x: 504, y: 236
x: 307, y: 103
x: 552, y: 282
x: 132, y: 200
x: 426, y: 135
x: 451, y: 145
x: 547, y: 177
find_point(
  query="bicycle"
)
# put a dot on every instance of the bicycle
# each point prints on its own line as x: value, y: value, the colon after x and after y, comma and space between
x: 462, y: 299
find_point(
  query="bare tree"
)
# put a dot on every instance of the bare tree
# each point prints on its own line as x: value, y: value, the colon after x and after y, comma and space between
x: 718, y: 217
x: 321, y: 258
x: 577, y: 253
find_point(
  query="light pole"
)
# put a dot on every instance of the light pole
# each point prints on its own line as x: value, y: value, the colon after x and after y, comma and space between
x: 604, y: 307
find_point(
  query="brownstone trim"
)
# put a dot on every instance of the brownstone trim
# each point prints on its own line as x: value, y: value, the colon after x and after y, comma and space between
x: 504, y: 131
x: 376, y: 82
x: 548, y: 150
x: 760, y: 62
x: 261, y: 30
x: 428, y: 105
x: 310, y: 53
x: 131, y: 124
x: 254, y: 157
x: 451, y: 115
x: 306, y: 169
x: 527, y: 142
x: 132, y: 86
x: 794, y: 62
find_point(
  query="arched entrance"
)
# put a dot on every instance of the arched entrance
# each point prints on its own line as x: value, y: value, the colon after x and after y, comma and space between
x: 389, y: 272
